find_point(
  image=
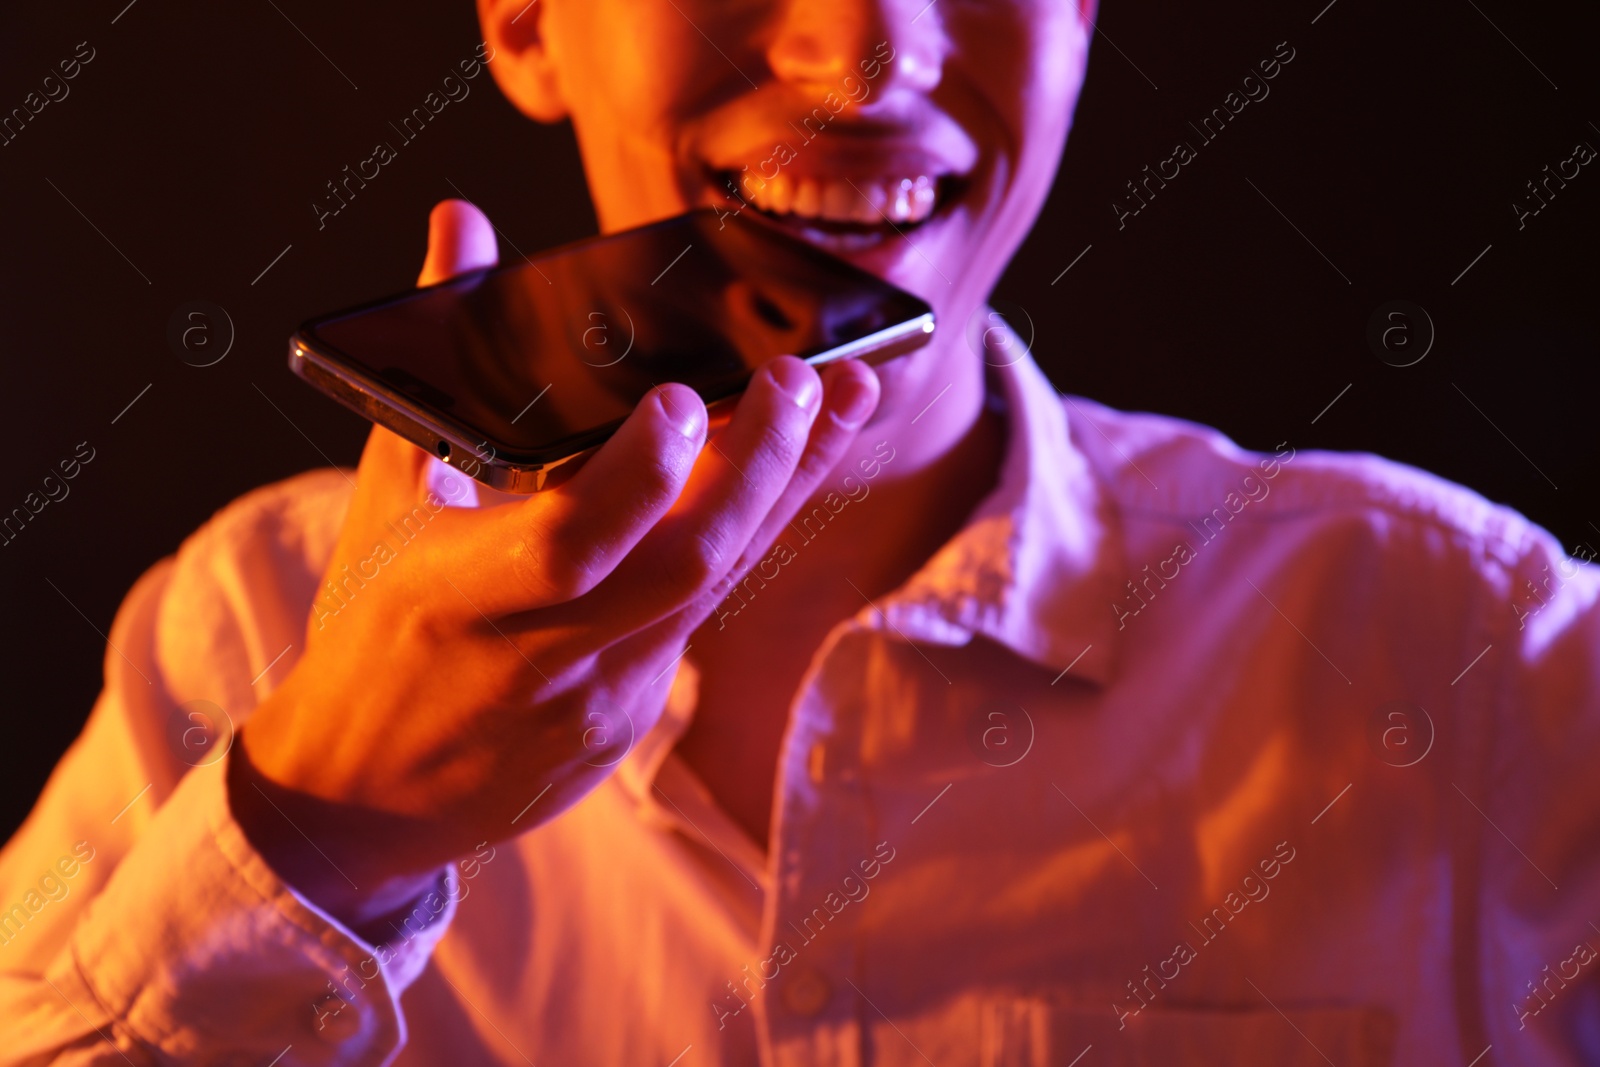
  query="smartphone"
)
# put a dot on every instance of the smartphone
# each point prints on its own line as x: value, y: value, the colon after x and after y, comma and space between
x: 514, y: 374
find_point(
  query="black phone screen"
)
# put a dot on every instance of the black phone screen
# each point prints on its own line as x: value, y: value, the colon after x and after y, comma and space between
x: 550, y: 354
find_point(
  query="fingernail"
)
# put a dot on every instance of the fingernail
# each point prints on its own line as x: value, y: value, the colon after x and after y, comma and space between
x: 797, y: 380
x: 687, y: 415
x: 856, y: 401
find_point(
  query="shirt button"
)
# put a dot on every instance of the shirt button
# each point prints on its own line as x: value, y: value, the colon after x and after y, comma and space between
x: 806, y: 992
x: 335, y: 1019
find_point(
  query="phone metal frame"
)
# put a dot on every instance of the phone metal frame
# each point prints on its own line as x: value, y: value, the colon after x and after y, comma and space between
x: 471, y: 452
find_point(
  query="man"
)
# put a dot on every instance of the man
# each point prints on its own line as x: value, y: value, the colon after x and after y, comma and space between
x: 927, y: 716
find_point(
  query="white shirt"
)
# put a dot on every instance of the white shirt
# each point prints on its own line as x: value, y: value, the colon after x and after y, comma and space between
x: 1117, y: 774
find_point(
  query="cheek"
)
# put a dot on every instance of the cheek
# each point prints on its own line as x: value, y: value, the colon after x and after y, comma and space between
x: 1053, y: 68
x: 626, y: 140
x: 1025, y: 62
x: 633, y: 92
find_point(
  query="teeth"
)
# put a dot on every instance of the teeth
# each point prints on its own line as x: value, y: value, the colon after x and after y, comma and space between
x: 778, y: 195
x: 807, y: 199
x: 839, y: 201
x: 900, y: 200
x: 911, y: 200
x: 869, y: 204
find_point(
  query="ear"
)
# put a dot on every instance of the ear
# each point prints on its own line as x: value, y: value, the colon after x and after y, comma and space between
x: 523, y: 66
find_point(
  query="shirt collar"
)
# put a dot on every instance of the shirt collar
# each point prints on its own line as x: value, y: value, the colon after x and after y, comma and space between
x: 1036, y: 566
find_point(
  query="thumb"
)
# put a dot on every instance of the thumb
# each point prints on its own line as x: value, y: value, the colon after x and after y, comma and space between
x: 460, y: 238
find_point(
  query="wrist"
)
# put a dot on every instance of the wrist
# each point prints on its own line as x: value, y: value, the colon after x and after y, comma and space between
x: 315, y: 847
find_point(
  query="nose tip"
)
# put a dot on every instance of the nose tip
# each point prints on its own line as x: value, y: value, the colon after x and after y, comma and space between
x: 803, y: 63
x: 818, y: 44
x: 808, y: 56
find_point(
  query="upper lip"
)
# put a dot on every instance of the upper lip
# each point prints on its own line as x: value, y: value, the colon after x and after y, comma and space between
x: 867, y: 164
x: 852, y: 149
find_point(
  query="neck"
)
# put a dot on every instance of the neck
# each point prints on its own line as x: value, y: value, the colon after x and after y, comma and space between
x: 917, y: 469
x: 913, y: 476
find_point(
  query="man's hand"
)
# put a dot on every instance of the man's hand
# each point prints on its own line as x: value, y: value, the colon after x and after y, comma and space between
x: 458, y: 682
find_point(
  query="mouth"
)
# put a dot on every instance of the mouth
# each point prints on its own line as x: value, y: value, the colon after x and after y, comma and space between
x: 843, y: 213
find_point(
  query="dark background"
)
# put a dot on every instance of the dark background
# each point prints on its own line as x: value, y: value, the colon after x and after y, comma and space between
x: 200, y: 134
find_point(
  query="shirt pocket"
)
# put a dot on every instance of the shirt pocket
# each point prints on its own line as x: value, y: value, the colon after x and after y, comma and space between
x: 1012, y: 1031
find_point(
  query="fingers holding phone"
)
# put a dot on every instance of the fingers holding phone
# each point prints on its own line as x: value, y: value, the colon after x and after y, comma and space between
x: 790, y: 428
x: 554, y: 547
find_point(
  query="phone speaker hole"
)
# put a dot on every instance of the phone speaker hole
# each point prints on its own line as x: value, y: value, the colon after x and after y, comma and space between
x: 444, y: 451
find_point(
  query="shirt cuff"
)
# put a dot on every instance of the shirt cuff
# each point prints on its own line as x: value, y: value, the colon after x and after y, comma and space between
x: 197, y: 948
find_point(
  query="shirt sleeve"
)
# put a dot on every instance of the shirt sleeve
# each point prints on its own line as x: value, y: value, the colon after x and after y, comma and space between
x: 137, y: 922
x: 1539, y: 831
